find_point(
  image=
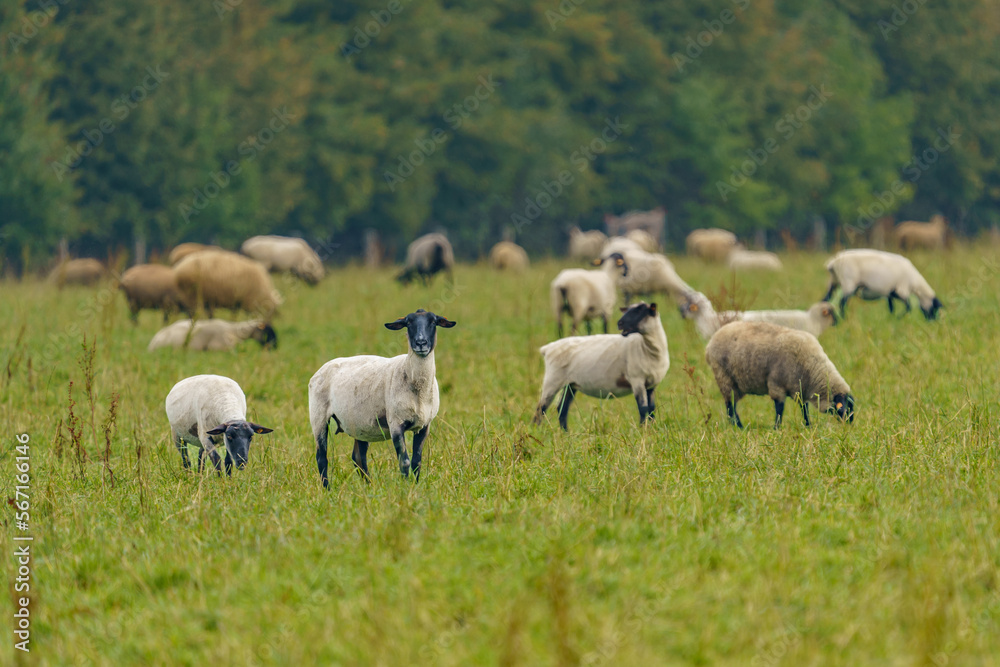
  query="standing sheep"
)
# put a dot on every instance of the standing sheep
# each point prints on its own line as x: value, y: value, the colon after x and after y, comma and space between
x: 213, y: 335
x: 585, y: 245
x: 932, y: 235
x: 373, y: 399
x: 184, y: 249
x: 84, y: 271
x: 285, y: 254
x: 223, y: 279
x: 608, y: 364
x: 764, y: 359
x: 651, y: 273
x: 426, y: 256
x: 712, y: 245
x: 815, y: 320
x: 152, y: 286
x: 204, y: 408
x: 586, y: 295
x: 875, y: 274
x: 508, y: 256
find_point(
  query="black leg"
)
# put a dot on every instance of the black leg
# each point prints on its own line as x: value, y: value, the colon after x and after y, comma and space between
x: 201, y: 459
x: 779, y: 410
x: 216, y: 461
x: 589, y: 330
x: 321, y: 464
x: 360, y: 458
x: 892, y: 295
x: 559, y: 328
x: 418, y: 451
x: 399, y: 442
x: 567, y: 400
x: 734, y: 417
x: 229, y: 465
x: 650, y: 404
x: 182, y: 448
x: 829, y: 292
x: 605, y: 318
x: 805, y: 412
x: 843, y: 304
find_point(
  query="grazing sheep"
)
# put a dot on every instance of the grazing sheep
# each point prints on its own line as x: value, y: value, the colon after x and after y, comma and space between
x: 374, y: 399
x: 285, y: 254
x: 223, y: 279
x: 508, y: 256
x: 753, y: 260
x: 213, y: 335
x: 931, y: 235
x: 651, y: 273
x: 78, y: 272
x: 876, y: 274
x: 184, y: 249
x: 586, y: 295
x: 152, y: 286
x: 585, y: 245
x: 609, y: 364
x: 707, y: 321
x: 644, y: 240
x: 426, y: 256
x: 204, y: 408
x: 713, y: 245
x: 652, y: 222
x: 620, y: 244
x: 764, y: 359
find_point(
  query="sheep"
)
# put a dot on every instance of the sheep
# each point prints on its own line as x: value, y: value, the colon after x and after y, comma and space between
x: 707, y: 321
x: 204, y: 408
x: 506, y: 255
x: 152, y: 286
x: 621, y: 244
x: 644, y: 239
x: 650, y: 273
x: 223, y: 279
x: 586, y: 295
x: 652, y: 222
x: 608, y: 365
x: 213, y: 335
x: 753, y: 260
x: 184, y: 249
x: 876, y: 274
x: 585, y: 245
x: 932, y: 235
x: 426, y: 256
x: 84, y: 271
x: 373, y: 399
x: 765, y: 359
x: 713, y: 245
x: 285, y: 254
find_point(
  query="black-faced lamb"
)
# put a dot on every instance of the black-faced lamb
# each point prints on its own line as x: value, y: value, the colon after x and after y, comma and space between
x: 874, y: 275
x: 151, y: 286
x: 213, y: 335
x: 586, y: 295
x: 284, y: 254
x: 427, y: 256
x: 208, y: 410
x: 764, y: 359
x: 697, y: 307
x: 373, y: 399
x: 223, y: 279
x: 608, y: 364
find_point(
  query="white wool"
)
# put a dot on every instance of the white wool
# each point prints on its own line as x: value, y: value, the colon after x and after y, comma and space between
x: 651, y: 273
x: 589, y: 294
x: 200, y: 403
x: 585, y: 245
x: 208, y: 334
x: 753, y: 260
x: 707, y: 321
x: 285, y: 254
x: 878, y: 273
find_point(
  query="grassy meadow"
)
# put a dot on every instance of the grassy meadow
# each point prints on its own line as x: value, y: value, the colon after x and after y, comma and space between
x: 683, y: 543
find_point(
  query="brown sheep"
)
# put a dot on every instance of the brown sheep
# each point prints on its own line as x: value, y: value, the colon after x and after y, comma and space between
x: 506, y: 255
x: 931, y: 235
x: 78, y: 272
x: 712, y: 245
x: 184, y: 249
x: 223, y: 279
x: 151, y: 286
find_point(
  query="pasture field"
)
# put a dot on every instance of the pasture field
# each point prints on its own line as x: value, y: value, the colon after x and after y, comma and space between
x: 686, y: 542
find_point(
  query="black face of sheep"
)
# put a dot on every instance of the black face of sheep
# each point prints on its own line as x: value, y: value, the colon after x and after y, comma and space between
x: 932, y: 312
x: 843, y: 406
x: 617, y: 258
x: 237, y: 436
x: 266, y: 336
x: 421, y: 330
x: 634, y: 317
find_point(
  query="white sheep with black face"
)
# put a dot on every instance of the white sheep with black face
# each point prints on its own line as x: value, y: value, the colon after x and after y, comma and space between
x: 373, y: 399
x: 586, y: 295
x: 874, y: 275
x: 608, y: 364
x: 206, y: 409
x: 213, y: 335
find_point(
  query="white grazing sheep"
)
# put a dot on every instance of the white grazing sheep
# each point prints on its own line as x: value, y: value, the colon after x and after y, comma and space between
x: 585, y: 245
x: 182, y: 250
x: 213, y: 335
x: 84, y: 271
x: 651, y: 222
x: 932, y: 235
x: 644, y: 239
x: 284, y: 254
x: 651, y: 273
x: 707, y: 321
x: 586, y: 295
x: 875, y: 274
x: 506, y: 255
x: 764, y: 359
x: 223, y: 279
x: 608, y: 364
x: 713, y: 245
x: 374, y: 399
x: 151, y: 286
x: 753, y: 260
x: 426, y: 256
x: 204, y: 408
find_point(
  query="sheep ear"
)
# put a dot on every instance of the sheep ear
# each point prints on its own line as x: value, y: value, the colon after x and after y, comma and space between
x: 693, y: 308
x: 257, y: 428
x: 444, y: 322
x: 218, y: 430
x: 652, y: 309
x: 397, y: 325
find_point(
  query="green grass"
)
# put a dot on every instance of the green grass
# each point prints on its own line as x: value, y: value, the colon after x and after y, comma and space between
x: 687, y: 542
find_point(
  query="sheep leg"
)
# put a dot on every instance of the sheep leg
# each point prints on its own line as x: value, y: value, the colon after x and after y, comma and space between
x: 605, y: 319
x: 559, y: 327
x: 805, y: 412
x: 201, y: 459
x: 779, y: 410
x: 321, y: 463
x: 567, y: 400
x: 829, y: 292
x: 843, y: 304
x: 418, y: 451
x: 589, y: 330
x: 734, y: 417
x: 650, y: 404
x: 641, y: 399
x: 216, y: 461
x: 360, y: 458
x: 182, y: 448
x: 229, y: 465
x: 399, y: 442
